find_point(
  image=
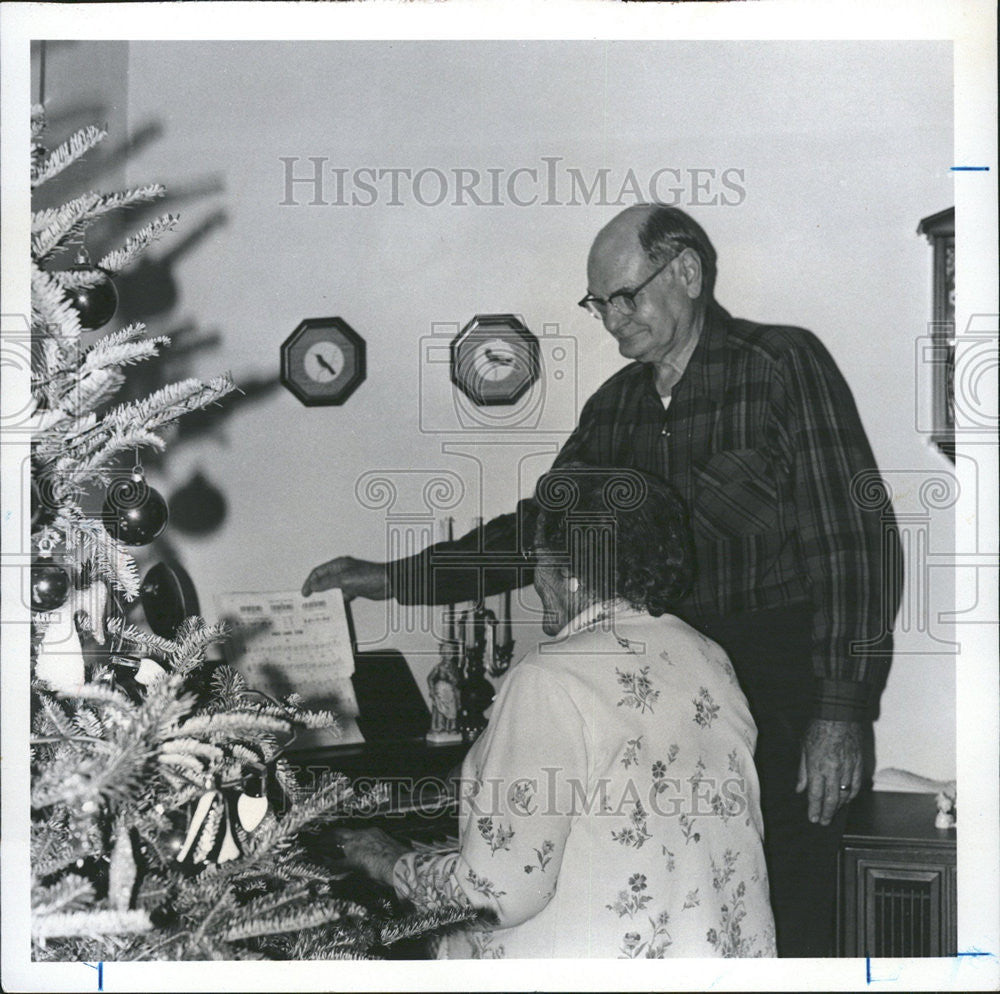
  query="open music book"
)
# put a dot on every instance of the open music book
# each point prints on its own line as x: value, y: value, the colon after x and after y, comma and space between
x: 285, y: 643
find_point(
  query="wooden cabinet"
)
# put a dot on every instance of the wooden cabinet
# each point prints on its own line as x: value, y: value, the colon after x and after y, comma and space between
x: 896, y: 883
x: 939, y: 230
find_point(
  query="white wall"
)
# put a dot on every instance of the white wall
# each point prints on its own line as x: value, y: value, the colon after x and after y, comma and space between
x: 843, y: 148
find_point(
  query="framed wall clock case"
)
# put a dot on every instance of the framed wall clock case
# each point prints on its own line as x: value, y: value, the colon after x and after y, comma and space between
x: 323, y: 361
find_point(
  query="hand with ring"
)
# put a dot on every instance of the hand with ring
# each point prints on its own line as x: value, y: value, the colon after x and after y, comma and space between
x: 830, y: 767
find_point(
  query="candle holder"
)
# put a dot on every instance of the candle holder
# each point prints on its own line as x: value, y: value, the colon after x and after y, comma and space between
x: 478, y: 630
x: 502, y: 656
x: 503, y: 651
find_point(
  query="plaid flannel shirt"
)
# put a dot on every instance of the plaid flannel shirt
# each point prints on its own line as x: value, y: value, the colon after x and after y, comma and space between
x: 763, y: 440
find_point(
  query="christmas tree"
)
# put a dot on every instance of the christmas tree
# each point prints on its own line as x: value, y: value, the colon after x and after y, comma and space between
x: 165, y: 815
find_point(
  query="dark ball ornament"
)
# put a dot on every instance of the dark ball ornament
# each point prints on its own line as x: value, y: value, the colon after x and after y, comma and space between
x: 49, y: 585
x: 96, y: 304
x: 134, y: 513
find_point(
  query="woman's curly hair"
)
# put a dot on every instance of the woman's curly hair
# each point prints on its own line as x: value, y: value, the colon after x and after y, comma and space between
x: 625, y: 533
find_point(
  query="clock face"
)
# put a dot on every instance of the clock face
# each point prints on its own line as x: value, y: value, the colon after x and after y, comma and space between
x: 495, y: 359
x: 323, y: 361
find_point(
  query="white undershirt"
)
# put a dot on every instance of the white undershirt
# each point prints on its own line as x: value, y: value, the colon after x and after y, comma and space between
x: 665, y: 400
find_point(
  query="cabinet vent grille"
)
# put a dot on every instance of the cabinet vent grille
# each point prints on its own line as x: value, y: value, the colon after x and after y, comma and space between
x: 903, y: 918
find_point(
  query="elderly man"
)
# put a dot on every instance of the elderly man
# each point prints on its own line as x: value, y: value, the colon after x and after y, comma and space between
x: 797, y: 581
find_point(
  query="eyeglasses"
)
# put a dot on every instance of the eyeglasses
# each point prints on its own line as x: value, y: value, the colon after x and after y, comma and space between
x: 623, y: 301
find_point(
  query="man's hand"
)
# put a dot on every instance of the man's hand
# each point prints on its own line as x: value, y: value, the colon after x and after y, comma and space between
x: 831, y: 760
x: 355, y: 577
x: 371, y: 851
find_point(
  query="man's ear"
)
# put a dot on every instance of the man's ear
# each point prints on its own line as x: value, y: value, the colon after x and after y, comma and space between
x: 690, y: 273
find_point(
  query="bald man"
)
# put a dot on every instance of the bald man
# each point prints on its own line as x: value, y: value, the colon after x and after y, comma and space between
x: 756, y: 427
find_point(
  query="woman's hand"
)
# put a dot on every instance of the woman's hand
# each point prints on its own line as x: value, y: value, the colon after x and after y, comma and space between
x: 369, y: 850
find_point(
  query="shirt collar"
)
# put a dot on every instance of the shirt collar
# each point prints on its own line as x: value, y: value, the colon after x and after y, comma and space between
x: 706, y: 371
x: 594, y: 614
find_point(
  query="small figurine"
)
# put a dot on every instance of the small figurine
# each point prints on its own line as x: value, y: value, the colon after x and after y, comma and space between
x: 443, y: 684
x: 945, y: 817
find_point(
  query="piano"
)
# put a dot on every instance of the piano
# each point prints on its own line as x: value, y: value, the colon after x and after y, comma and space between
x: 421, y: 809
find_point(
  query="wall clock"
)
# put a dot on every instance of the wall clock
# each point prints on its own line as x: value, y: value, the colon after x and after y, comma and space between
x: 323, y: 361
x: 495, y: 359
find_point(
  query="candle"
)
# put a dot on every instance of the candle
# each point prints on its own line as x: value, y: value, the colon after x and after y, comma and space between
x: 505, y: 626
x: 489, y: 652
x: 465, y: 628
x: 449, y: 610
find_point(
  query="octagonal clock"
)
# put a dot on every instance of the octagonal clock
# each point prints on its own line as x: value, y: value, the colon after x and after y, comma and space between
x: 323, y: 361
x: 495, y: 359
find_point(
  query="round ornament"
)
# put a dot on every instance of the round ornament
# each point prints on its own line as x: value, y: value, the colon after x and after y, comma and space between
x: 134, y: 513
x: 97, y: 302
x: 49, y: 585
x: 48, y: 494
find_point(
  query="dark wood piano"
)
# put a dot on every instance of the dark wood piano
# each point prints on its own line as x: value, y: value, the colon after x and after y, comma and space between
x: 421, y: 810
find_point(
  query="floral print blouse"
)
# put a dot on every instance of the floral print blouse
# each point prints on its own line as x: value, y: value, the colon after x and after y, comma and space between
x: 611, y: 807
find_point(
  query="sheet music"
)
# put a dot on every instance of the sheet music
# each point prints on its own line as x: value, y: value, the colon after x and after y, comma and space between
x: 285, y: 643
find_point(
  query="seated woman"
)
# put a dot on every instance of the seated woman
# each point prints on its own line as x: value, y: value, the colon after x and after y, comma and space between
x: 610, y: 808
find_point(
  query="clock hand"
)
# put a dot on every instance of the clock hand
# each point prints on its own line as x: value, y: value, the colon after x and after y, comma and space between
x: 325, y: 364
x: 504, y: 360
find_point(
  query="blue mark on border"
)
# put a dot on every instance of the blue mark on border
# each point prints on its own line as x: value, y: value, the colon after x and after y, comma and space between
x: 970, y: 169
x: 974, y: 952
x: 100, y: 973
x: 869, y: 979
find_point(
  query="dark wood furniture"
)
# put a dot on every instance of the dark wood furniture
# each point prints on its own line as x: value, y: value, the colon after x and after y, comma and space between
x: 896, y: 882
x: 939, y: 230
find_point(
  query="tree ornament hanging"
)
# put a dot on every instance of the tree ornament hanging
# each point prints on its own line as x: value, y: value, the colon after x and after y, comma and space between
x: 251, y: 806
x: 122, y: 871
x: 148, y: 672
x: 210, y: 837
x: 96, y: 302
x: 134, y: 513
x: 48, y: 494
x: 49, y: 585
x: 49, y: 581
x: 59, y: 657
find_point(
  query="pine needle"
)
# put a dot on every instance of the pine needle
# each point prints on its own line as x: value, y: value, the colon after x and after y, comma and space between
x: 73, y: 148
x: 69, y: 893
x: 136, y: 244
x: 62, y: 226
x: 292, y: 920
x: 95, y: 924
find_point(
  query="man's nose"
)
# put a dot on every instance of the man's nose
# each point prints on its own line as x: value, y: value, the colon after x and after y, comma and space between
x: 614, y: 319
